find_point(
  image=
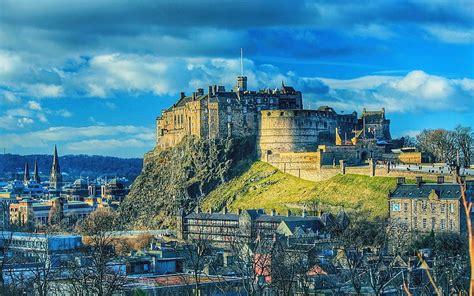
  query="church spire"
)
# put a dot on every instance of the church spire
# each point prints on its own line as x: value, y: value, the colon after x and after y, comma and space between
x: 36, y: 176
x: 55, y: 179
x: 26, y: 175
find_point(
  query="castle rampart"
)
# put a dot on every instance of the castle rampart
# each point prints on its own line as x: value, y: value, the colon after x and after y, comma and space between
x: 294, y: 130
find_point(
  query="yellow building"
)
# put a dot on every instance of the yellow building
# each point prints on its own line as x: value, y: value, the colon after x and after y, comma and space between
x: 426, y: 207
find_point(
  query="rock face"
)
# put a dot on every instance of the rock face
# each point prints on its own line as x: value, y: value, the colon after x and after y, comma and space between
x: 179, y: 177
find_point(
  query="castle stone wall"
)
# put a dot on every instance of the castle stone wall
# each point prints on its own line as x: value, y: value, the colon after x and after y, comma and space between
x: 294, y: 130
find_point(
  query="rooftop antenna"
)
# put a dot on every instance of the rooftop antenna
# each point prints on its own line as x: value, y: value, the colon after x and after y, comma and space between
x: 241, y: 62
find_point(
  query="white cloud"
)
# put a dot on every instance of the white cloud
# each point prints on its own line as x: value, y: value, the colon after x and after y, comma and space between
x: 451, y: 35
x: 41, y: 90
x: 68, y: 133
x: 34, y: 105
x: 415, y: 91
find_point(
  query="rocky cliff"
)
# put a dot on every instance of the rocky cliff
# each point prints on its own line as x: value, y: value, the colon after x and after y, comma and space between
x: 179, y: 177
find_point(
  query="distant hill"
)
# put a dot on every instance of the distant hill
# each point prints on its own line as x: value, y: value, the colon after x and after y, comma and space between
x: 74, y: 166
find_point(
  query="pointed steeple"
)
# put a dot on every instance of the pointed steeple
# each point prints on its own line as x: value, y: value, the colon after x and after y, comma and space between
x: 36, y: 176
x: 26, y: 175
x: 55, y: 179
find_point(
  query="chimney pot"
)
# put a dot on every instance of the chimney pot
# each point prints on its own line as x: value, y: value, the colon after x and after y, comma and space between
x: 440, y: 180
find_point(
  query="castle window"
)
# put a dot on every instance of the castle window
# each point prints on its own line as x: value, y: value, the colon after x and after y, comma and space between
x: 405, y: 207
x: 443, y: 208
x: 415, y: 207
x: 433, y: 223
x: 451, y: 224
x: 443, y: 224
x: 415, y: 222
x: 433, y: 207
x: 451, y: 208
x: 282, y: 113
x: 424, y: 222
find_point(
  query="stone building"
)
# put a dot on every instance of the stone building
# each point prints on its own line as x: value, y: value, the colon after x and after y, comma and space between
x: 424, y: 207
x: 221, y: 113
x: 224, y: 228
x: 275, y: 117
x: 28, y: 211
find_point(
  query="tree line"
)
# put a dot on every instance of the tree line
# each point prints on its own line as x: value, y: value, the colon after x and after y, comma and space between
x: 445, y: 145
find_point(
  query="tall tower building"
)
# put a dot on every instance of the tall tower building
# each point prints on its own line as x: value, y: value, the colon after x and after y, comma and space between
x: 26, y: 175
x: 36, y: 176
x: 55, y: 180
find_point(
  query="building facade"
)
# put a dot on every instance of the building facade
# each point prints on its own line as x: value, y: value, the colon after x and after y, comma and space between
x: 275, y: 117
x: 426, y: 207
x: 225, y: 228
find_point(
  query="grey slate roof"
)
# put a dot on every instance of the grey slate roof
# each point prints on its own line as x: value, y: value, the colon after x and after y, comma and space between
x: 213, y: 216
x: 444, y: 191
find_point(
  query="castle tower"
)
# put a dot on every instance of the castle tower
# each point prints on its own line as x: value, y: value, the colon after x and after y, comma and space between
x: 241, y: 83
x: 26, y: 175
x: 55, y: 180
x: 36, y: 176
x: 241, y: 80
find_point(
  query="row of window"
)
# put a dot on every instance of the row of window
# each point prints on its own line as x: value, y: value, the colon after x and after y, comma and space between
x: 424, y: 207
x: 424, y: 224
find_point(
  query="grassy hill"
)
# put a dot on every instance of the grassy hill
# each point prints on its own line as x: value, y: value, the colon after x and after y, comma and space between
x: 263, y: 186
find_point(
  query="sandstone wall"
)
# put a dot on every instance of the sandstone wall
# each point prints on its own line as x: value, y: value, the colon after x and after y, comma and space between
x: 294, y: 130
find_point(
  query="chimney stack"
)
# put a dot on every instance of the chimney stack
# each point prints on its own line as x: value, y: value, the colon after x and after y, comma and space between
x: 226, y: 210
x: 440, y: 180
x: 400, y: 180
x: 239, y: 211
x: 210, y: 90
x: 273, y: 212
x: 304, y: 214
x: 419, y: 180
x: 182, y: 95
x: 289, y: 213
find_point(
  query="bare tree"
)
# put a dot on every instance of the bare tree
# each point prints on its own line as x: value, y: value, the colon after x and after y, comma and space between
x: 463, y: 138
x: 97, y: 275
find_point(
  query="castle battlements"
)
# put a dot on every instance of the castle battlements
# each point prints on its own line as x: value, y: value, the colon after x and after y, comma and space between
x: 275, y: 117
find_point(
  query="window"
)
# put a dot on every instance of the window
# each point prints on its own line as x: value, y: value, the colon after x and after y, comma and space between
x: 433, y: 223
x: 451, y: 224
x: 443, y: 224
x: 415, y: 222
x: 405, y: 207
x: 395, y: 207
x: 451, y: 208
x: 424, y: 222
x: 433, y: 207
x: 443, y: 208
x: 415, y: 206
x: 423, y: 206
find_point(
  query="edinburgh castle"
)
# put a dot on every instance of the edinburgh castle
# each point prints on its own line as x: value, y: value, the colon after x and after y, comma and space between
x: 279, y: 123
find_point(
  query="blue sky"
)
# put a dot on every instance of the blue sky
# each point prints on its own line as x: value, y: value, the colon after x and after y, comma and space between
x: 91, y: 76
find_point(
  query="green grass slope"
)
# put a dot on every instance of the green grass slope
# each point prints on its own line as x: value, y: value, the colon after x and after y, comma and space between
x: 263, y: 186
